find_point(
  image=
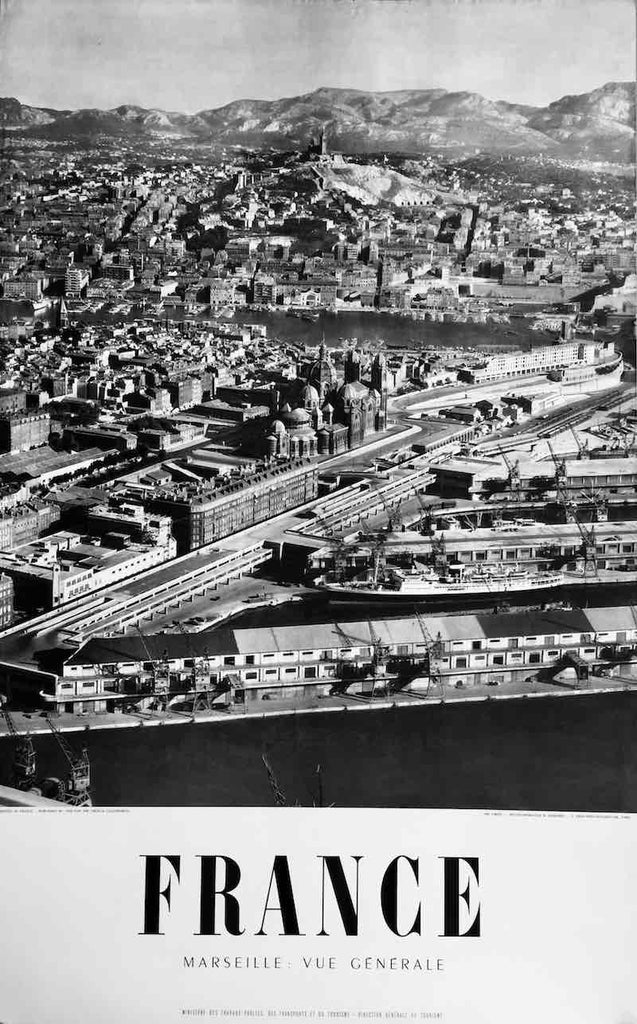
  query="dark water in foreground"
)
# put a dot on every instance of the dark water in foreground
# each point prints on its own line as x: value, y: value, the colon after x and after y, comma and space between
x: 555, y: 753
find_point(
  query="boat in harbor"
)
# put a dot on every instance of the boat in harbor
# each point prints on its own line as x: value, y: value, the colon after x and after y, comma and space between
x: 392, y: 583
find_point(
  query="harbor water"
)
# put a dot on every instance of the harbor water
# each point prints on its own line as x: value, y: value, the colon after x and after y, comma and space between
x: 369, y: 327
x: 564, y: 753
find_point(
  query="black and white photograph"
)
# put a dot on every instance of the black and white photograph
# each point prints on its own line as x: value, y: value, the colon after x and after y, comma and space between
x: 318, y: 426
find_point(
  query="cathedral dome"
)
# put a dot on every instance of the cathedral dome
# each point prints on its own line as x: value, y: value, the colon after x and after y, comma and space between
x: 297, y: 418
x: 309, y: 396
x: 353, y: 391
x: 302, y: 430
x: 278, y: 427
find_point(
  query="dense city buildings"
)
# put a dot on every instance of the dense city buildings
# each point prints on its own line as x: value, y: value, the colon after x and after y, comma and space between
x: 200, y: 516
x: 6, y: 601
x: 310, y: 426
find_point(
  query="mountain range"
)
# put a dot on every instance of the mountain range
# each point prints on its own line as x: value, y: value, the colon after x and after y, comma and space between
x: 597, y: 125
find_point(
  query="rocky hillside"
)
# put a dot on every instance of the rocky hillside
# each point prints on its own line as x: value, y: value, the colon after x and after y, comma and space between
x: 602, y: 121
x: 598, y: 125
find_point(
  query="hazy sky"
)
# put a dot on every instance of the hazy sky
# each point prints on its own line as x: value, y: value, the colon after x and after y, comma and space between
x: 192, y: 54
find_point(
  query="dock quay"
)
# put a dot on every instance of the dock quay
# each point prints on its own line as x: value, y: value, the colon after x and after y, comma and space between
x: 31, y: 724
x: 235, y: 667
x: 542, y: 545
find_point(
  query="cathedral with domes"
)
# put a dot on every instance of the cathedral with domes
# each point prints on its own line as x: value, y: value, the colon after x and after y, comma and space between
x: 322, y: 415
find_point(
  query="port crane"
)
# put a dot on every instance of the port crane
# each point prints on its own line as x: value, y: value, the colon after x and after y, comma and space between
x: 394, y: 518
x: 582, y: 446
x: 200, y: 673
x: 159, y: 668
x: 569, y: 506
x: 426, y: 524
x: 513, y: 479
x: 376, y: 542
x: 379, y: 651
x: 77, y: 791
x: 439, y: 554
x: 434, y: 653
x: 394, y: 515
x: 560, y: 465
x: 279, y: 796
x: 595, y: 497
x: 589, y: 543
x: 24, y: 761
x: 339, y: 557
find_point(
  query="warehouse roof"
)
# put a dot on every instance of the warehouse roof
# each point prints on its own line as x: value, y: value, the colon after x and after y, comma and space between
x: 329, y: 635
x: 610, y: 619
x: 600, y: 467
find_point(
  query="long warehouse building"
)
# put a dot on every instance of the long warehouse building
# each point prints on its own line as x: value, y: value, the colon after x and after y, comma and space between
x: 244, y: 666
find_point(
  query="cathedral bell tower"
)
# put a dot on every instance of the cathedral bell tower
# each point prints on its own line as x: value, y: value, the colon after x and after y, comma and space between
x: 352, y: 366
x: 380, y: 383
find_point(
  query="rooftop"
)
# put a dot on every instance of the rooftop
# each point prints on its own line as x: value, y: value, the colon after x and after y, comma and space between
x: 332, y: 636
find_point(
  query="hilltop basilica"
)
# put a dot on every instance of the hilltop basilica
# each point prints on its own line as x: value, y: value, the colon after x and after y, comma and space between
x: 322, y: 416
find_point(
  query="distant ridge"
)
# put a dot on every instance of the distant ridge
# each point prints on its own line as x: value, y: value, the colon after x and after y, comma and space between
x: 597, y: 125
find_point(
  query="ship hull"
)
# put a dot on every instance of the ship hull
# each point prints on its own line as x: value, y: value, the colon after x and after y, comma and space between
x: 438, y: 596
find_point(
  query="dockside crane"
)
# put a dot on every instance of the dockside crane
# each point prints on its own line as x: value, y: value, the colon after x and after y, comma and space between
x: 582, y: 446
x: 439, y: 555
x: 377, y: 544
x: 434, y: 653
x: 24, y: 760
x: 278, y: 794
x: 426, y: 524
x: 394, y: 515
x: 77, y: 791
x: 379, y: 651
x: 395, y: 518
x: 379, y: 558
x: 560, y: 465
x: 159, y: 668
x: 513, y: 479
x: 200, y: 673
x: 589, y: 547
x: 595, y: 497
x: 569, y: 506
x: 339, y: 555
x: 280, y: 798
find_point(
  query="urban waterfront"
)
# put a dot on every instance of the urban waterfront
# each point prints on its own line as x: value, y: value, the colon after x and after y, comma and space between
x: 318, y: 495
x: 291, y: 429
x: 373, y: 326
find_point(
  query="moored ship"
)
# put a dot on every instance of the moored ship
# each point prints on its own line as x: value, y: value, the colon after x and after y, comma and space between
x: 426, y: 584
